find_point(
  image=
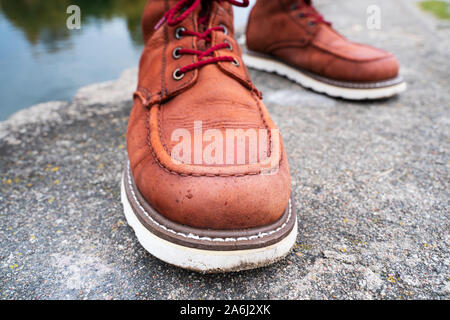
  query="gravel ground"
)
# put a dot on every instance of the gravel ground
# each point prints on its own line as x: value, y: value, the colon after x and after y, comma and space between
x: 370, y: 179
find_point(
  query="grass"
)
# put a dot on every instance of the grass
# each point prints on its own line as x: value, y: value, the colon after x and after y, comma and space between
x: 439, y: 9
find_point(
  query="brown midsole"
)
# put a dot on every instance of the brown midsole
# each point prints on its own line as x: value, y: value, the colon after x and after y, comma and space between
x: 344, y: 84
x: 206, y: 239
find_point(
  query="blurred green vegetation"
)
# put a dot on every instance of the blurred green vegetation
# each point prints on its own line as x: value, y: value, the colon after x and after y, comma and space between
x: 45, y: 20
x: 440, y: 9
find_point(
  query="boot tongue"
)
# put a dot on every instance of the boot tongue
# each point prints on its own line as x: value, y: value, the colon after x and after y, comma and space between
x: 302, y: 2
x: 309, y: 5
x: 204, y: 16
x: 309, y: 9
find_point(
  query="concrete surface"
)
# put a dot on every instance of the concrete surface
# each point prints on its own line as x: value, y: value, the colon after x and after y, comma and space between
x: 371, y: 182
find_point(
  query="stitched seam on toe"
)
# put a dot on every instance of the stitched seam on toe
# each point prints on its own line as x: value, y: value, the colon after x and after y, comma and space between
x: 200, y: 238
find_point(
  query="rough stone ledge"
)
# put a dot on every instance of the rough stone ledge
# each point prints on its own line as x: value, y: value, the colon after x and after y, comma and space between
x: 370, y: 179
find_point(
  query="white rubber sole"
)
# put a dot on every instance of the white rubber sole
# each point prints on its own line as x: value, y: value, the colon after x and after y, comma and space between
x: 206, y: 261
x: 273, y: 66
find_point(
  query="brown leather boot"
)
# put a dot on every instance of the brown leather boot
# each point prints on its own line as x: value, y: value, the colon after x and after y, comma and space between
x: 290, y: 38
x: 207, y: 184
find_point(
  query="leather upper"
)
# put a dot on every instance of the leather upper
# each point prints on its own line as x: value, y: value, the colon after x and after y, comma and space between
x: 223, y: 195
x: 316, y: 47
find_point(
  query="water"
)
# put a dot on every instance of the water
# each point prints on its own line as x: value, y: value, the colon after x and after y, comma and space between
x: 41, y: 60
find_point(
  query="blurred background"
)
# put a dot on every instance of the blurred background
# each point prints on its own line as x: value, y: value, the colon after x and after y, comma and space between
x: 41, y: 60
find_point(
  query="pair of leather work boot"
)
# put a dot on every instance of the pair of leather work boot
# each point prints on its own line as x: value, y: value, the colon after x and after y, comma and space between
x: 207, y: 184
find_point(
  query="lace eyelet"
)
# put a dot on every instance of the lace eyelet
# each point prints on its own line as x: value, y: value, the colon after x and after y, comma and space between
x: 311, y: 23
x: 225, y: 30
x: 176, y: 54
x: 235, y: 62
x: 230, y: 46
x: 301, y: 15
x: 177, y: 75
x: 178, y: 32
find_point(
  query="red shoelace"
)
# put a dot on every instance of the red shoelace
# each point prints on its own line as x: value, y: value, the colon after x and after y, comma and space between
x: 308, y: 10
x: 176, y: 15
